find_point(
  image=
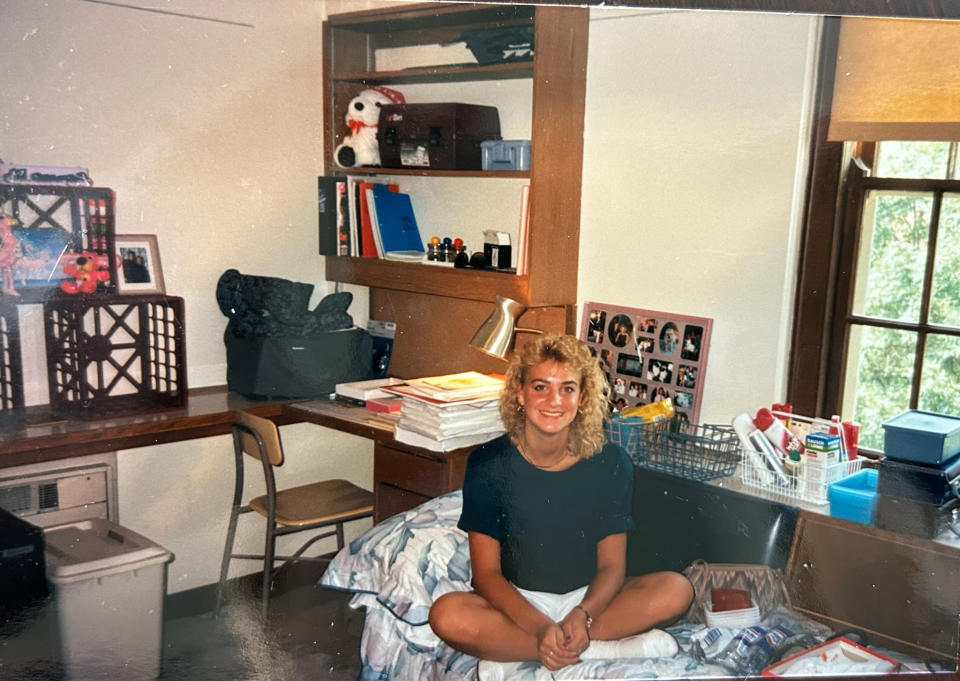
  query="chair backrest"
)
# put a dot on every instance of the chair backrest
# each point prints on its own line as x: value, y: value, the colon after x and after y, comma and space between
x: 268, y: 433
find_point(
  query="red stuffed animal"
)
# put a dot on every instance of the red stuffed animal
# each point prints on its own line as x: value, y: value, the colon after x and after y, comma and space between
x: 86, y: 271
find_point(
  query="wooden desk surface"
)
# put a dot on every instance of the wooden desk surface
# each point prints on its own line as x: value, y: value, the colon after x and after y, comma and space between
x: 344, y: 417
x: 42, y: 436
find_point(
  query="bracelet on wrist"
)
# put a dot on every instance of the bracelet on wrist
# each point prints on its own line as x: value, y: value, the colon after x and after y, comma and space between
x: 585, y: 612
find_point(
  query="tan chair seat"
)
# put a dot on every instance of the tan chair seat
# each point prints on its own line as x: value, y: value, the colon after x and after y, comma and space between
x: 326, y: 501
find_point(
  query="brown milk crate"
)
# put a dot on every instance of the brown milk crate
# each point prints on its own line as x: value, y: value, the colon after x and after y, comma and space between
x: 11, y: 368
x: 115, y: 354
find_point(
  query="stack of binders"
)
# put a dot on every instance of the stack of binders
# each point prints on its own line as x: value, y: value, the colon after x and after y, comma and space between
x: 918, y: 484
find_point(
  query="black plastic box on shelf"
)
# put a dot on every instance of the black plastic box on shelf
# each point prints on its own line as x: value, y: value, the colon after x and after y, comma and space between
x: 115, y: 354
x: 23, y: 582
x: 916, y: 518
x: 929, y: 483
x: 440, y: 136
x: 11, y: 368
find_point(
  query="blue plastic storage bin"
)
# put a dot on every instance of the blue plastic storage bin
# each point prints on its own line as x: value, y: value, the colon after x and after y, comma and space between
x: 922, y: 436
x: 855, y: 497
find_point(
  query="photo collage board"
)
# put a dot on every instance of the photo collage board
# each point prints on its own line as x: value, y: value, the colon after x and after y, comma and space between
x: 648, y: 355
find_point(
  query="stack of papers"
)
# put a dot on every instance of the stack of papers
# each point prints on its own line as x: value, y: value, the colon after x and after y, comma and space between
x: 444, y: 413
x: 466, y: 385
x: 361, y: 391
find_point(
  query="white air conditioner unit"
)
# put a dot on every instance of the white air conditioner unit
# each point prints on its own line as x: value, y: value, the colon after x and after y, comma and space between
x: 62, y: 491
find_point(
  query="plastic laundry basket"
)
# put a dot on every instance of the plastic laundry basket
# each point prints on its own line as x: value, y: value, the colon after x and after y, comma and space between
x: 109, y: 584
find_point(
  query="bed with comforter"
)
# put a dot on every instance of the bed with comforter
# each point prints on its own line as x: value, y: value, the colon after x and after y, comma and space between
x: 399, y: 567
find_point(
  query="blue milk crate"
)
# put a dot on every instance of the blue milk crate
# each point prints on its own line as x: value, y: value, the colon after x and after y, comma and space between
x: 855, y: 497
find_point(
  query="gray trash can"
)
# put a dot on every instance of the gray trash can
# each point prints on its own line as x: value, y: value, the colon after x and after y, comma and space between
x: 109, y: 583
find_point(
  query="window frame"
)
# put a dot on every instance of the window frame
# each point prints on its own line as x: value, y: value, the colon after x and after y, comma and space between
x: 823, y: 302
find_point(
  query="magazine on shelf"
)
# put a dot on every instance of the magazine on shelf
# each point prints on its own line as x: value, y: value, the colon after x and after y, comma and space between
x: 399, y: 233
x: 370, y: 237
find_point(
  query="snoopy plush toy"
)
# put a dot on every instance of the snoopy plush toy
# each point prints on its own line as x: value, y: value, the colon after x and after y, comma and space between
x: 360, y: 147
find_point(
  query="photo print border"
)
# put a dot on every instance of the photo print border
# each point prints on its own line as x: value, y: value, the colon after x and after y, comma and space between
x: 648, y: 355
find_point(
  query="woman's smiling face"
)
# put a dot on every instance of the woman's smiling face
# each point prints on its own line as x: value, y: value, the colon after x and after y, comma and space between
x: 550, y: 396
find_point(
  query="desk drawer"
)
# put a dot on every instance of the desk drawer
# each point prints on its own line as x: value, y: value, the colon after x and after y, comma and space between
x: 422, y: 474
x: 390, y: 500
x: 406, y: 477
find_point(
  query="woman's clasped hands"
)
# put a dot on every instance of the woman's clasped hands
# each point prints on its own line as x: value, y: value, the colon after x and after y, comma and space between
x: 560, y: 644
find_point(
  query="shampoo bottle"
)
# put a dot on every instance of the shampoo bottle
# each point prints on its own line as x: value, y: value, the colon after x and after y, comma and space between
x: 764, y: 459
x: 777, y: 433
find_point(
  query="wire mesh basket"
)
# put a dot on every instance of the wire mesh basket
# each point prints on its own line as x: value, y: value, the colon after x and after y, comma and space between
x: 697, y: 452
x: 811, y: 483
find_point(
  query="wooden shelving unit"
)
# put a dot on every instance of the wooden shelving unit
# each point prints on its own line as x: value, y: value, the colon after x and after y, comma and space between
x: 404, y: 291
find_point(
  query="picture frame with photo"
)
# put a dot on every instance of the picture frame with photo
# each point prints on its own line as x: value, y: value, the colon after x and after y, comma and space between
x: 138, y: 268
x: 648, y: 355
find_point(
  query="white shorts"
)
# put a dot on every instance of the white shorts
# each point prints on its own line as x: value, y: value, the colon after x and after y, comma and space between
x: 554, y: 606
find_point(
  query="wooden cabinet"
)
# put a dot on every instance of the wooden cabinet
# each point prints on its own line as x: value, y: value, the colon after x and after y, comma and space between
x: 404, y: 477
x: 408, y: 293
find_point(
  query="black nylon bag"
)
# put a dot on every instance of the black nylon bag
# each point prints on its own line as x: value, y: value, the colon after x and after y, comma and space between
x: 277, y: 348
x: 297, y: 366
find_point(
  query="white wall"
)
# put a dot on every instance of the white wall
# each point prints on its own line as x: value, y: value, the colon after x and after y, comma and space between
x: 693, y: 168
x: 210, y: 134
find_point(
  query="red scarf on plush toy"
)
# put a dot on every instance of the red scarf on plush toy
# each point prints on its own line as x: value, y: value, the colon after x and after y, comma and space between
x: 356, y: 125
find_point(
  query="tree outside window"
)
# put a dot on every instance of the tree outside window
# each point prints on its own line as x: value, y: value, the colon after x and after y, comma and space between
x: 897, y: 341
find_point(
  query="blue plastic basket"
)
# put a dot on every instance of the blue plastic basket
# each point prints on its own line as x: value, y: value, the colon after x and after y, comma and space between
x: 697, y: 452
x: 855, y: 497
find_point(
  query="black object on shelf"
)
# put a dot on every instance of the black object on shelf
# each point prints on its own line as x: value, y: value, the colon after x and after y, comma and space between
x: 500, y: 45
x: 23, y: 582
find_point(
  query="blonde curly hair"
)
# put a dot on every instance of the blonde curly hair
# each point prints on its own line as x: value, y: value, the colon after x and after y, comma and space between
x: 586, y: 432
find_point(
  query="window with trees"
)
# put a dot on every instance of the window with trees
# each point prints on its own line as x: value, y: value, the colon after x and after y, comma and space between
x: 877, y: 323
x: 896, y: 335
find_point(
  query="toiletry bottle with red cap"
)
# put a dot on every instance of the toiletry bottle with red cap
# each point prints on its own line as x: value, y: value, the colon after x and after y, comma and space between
x: 764, y: 459
x: 778, y: 434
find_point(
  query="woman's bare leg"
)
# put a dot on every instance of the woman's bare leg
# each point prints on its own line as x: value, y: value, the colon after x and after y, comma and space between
x: 470, y: 624
x: 642, y: 603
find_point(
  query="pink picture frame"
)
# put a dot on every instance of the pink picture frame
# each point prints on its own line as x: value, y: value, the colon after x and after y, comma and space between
x: 648, y: 355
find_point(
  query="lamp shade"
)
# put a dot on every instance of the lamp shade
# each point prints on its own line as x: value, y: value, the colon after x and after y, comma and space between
x: 495, y: 336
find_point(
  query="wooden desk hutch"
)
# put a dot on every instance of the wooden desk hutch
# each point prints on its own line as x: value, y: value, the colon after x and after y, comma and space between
x: 419, y: 297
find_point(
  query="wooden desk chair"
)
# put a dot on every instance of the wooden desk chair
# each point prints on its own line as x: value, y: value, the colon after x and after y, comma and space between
x: 306, y: 507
